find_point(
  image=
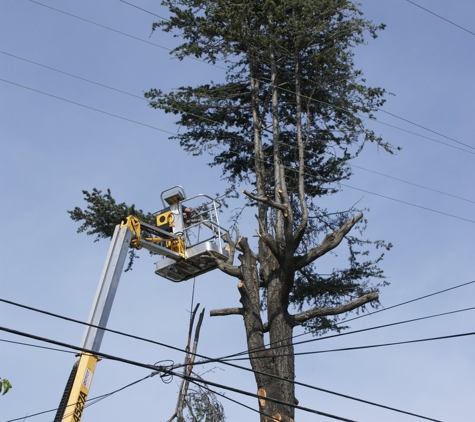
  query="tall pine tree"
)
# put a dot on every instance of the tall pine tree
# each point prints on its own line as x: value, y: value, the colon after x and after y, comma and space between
x: 286, y: 123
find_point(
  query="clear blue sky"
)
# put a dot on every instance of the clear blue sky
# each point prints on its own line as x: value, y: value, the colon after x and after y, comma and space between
x: 51, y: 149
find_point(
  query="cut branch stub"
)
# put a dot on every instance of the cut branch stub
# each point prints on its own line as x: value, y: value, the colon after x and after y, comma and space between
x: 262, y: 393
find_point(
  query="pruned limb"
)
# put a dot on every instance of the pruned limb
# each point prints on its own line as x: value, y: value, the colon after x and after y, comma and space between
x: 267, y: 201
x: 226, y: 311
x: 226, y: 268
x: 315, y: 312
x: 243, y: 244
x: 268, y: 239
x: 330, y: 242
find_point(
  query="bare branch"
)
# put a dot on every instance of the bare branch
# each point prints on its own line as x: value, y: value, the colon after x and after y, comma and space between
x: 321, y: 312
x: 226, y: 268
x: 330, y: 242
x: 189, y: 359
x: 271, y: 244
x: 226, y: 311
x: 267, y: 201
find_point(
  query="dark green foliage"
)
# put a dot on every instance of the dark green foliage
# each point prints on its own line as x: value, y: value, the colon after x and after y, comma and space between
x: 316, y: 36
x: 102, y: 214
x: 4, y: 386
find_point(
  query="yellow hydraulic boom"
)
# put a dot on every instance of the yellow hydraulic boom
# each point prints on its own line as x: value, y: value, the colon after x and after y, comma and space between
x: 181, y: 261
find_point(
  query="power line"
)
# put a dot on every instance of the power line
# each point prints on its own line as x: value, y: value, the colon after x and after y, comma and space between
x: 343, y: 396
x: 37, y: 346
x: 346, y: 349
x: 280, y: 88
x: 199, y: 381
x: 54, y: 69
x: 322, y: 102
x: 174, y: 134
x: 144, y: 10
x: 155, y: 368
x: 372, y: 346
x: 121, y: 333
x: 96, y: 400
x: 425, y: 128
x: 82, y: 349
x: 413, y: 184
x: 272, y: 345
x: 409, y: 203
x: 213, y: 121
x: 88, y: 107
x: 167, y: 371
x: 393, y: 324
x: 113, y: 30
x: 99, y: 84
x: 89, y: 402
x: 441, y: 17
x: 52, y: 314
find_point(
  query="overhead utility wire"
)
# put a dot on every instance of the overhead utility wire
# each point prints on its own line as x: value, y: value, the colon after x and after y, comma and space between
x: 88, y: 107
x: 425, y: 128
x: 89, y: 401
x: 373, y: 346
x: 213, y: 121
x: 323, y: 102
x: 174, y: 134
x: 387, y: 308
x: 110, y: 330
x: 352, y: 398
x: 393, y: 324
x: 282, y: 89
x: 413, y: 184
x: 95, y: 400
x: 346, y: 349
x: 441, y: 17
x: 144, y: 10
x: 164, y: 368
x: 233, y: 357
x: 205, y: 119
x: 153, y: 127
x: 197, y: 380
x: 36, y: 346
x: 112, y: 29
x: 409, y: 203
x: 142, y: 98
x: 272, y: 345
x: 82, y: 349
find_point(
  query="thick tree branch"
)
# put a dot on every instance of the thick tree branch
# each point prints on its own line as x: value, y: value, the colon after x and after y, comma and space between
x: 330, y: 242
x: 226, y: 268
x: 267, y: 201
x: 315, y: 312
x: 271, y: 244
x: 226, y: 311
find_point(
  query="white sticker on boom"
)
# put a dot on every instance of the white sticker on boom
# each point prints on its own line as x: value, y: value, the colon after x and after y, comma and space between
x: 87, y: 378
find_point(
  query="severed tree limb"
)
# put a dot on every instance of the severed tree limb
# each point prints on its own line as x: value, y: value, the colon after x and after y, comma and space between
x: 268, y: 240
x: 226, y: 311
x: 226, y: 268
x: 315, y: 312
x: 271, y: 244
x: 330, y: 242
